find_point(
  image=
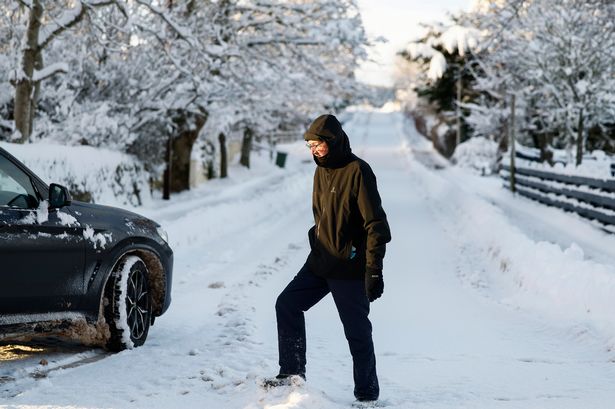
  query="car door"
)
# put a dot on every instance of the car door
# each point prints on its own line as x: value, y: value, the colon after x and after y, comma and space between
x: 42, y: 250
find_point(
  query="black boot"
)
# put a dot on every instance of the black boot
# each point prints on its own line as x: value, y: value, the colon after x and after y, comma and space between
x: 283, y: 380
x: 364, y: 403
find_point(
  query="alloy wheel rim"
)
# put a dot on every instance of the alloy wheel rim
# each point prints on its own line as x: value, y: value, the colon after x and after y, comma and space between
x: 137, y: 304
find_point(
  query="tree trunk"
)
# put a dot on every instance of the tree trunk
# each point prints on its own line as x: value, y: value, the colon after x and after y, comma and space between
x: 246, y: 147
x: 23, y: 83
x: 182, y: 150
x: 180, y: 162
x: 223, y: 156
x: 166, y: 184
x: 211, y: 171
x: 541, y: 142
x: 503, y: 138
x: 570, y: 140
x: 580, y: 141
x: 38, y: 65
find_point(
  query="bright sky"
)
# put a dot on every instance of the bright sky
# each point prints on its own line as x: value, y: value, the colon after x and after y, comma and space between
x: 399, y: 22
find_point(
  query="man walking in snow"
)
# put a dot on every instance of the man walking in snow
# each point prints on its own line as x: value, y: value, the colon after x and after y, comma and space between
x: 347, y: 244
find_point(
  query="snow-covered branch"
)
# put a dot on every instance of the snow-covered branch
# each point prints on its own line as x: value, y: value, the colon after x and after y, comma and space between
x: 454, y: 39
x: 68, y: 19
x: 49, y: 71
x: 182, y: 32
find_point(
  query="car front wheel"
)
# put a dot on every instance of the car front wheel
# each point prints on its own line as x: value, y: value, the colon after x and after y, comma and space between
x: 128, y: 307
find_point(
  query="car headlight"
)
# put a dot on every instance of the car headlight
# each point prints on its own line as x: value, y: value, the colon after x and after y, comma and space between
x: 162, y: 233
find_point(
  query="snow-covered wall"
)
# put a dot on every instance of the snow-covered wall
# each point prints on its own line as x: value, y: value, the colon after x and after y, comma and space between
x: 90, y: 174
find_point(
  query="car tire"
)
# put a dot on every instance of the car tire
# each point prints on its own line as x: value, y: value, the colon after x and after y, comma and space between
x: 128, y: 306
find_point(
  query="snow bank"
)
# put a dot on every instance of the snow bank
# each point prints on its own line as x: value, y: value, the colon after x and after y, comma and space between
x: 90, y: 174
x: 556, y: 281
x: 477, y: 154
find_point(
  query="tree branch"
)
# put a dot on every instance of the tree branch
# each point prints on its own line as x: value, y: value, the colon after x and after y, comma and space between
x: 49, y: 71
x: 67, y: 20
x: 25, y: 3
x: 287, y: 40
x: 179, y: 30
x: 71, y: 17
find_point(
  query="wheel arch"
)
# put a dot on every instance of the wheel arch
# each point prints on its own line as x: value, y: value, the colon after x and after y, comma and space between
x: 156, y: 275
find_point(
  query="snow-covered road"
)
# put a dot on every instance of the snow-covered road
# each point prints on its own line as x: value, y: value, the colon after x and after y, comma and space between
x: 476, y: 313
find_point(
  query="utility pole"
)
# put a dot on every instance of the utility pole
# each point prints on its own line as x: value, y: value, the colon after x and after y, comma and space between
x: 511, y: 139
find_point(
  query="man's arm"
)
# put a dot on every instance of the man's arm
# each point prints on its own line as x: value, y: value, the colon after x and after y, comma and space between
x: 374, y: 218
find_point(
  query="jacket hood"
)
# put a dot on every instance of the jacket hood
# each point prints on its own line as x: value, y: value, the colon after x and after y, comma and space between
x: 327, y: 128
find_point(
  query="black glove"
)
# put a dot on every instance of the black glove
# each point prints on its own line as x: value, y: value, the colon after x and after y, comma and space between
x: 374, y: 284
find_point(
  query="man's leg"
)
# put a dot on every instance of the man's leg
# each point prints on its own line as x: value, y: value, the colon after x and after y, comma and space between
x: 300, y: 295
x: 353, y: 307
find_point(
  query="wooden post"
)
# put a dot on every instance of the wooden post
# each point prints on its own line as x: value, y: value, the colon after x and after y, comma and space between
x: 580, y: 139
x: 458, y: 141
x: 511, y: 139
x: 223, y: 155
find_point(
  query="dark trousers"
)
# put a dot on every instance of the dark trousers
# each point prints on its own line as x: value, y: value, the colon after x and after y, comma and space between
x: 303, y: 292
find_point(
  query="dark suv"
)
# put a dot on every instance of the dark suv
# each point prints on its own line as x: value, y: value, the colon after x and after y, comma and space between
x: 93, y: 273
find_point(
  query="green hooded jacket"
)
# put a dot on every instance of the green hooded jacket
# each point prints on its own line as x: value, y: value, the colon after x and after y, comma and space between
x: 351, y: 228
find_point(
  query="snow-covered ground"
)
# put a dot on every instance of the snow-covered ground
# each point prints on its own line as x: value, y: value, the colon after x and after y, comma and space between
x: 491, y: 301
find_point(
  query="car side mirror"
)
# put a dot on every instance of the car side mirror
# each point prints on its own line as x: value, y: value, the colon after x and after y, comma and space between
x: 58, y: 196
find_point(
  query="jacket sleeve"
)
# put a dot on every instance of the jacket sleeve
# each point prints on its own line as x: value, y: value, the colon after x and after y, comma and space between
x: 374, y: 218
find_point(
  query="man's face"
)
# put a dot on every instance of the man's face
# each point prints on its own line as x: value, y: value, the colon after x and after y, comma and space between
x: 318, y: 148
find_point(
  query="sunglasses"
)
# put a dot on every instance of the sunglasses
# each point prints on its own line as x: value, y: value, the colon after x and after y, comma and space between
x: 313, y: 146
